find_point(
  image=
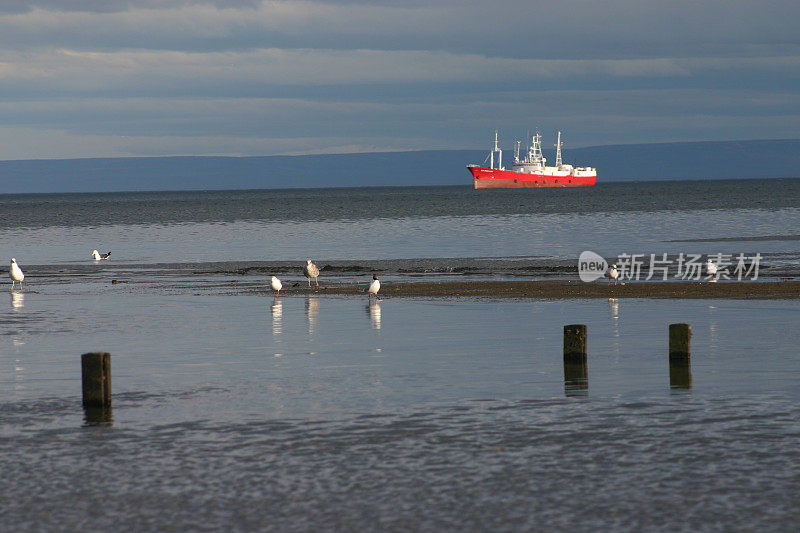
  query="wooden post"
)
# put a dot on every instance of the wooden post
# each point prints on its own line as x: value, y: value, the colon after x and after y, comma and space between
x: 576, y: 372
x: 575, y: 343
x: 680, y: 371
x: 679, y: 340
x: 96, y: 378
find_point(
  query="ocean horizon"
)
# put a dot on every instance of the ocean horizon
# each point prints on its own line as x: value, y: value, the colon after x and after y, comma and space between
x: 709, y: 160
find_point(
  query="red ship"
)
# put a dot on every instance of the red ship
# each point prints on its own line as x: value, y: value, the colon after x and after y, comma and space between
x: 530, y: 171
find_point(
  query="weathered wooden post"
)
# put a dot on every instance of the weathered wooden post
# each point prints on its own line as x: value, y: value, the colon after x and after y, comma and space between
x: 679, y: 340
x: 575, y: 342
x: 576, y: 373
x: 680, y: 371
x: 96, y: 378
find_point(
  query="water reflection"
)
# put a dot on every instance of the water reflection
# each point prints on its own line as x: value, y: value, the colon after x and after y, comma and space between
x: 680, y: 372
x: 712, y: 328
x: 277, y: 317
x: 613, y: 306
x: 312, y: 310
x: 19, y: 373
x: 97, y: 416
x: 17, y: 300
x: 374, y: 312
x: 576, y: 377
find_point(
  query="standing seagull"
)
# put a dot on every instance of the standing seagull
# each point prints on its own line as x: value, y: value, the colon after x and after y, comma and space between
x: 613, y: 273
x: 374, y: 287
x: 276, y: 285
x: 16, y: 273
x: 311, y: 271
x: 711, y: 270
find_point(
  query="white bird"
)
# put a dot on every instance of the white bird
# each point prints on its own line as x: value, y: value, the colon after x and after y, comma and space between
x: 95, y: 255
x: 311, y: 271
x: 374, y: 287
x: 276, y: 285
x: 16, y: 273
x: 613, y: 273
x: 711, y: 268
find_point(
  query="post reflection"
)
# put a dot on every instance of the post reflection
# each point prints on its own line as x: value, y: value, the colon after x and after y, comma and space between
x: 97, y: 416
x: 312, y: 310
x: 576, y: 378
x: 680, y: 373
x: 17, y: 300
x: 374, y: 312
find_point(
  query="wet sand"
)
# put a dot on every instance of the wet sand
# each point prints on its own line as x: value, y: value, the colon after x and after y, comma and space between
x: 773, y: 290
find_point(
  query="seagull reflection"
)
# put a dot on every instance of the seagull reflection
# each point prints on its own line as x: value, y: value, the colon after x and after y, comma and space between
x: 17, y: 300
x: 277, y: 316
x: 713, y: 337
x: 613, y: 306
x: 312, y: 310
x: 374, y: 311
x: 19, y: 374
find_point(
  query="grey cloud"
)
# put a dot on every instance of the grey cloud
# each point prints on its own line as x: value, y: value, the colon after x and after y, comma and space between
x: 127, y: 73
x: 453, y: 123
x: 569, y: 29
x: 173, y: 77
x: 111, y: 6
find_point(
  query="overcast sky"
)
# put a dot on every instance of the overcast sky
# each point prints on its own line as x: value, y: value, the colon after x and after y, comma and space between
x: 97, y: 78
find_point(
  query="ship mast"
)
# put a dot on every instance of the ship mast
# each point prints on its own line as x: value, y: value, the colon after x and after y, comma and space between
x: 535, y: 153
x: 495, y: 148
x: 559, y: 144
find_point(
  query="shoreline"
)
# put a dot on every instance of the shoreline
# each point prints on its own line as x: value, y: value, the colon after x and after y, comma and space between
x: 567, y: 289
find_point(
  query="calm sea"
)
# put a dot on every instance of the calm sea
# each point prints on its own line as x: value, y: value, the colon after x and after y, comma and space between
x: 235, y: 411
x: 413, y: 222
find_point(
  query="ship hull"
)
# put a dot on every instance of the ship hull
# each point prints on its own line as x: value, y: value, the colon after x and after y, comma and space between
x: 489, y: 178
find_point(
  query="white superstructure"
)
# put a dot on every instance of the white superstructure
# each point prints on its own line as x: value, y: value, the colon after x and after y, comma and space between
x: 535, y: 163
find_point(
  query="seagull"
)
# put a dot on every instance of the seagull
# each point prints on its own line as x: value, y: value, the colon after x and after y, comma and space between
x: 311, y: 271
x: 16, y: 273
x: 711, y: 269
x: 374, y: 287
x: 613, y: 273
x: 276, y: 285
x: 96, y: 255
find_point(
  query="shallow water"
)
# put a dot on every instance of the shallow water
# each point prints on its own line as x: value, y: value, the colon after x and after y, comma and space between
x: 243, y: 412
x: 235, y: 411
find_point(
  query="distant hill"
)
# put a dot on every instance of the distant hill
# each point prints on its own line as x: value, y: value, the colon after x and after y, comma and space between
x: 630, y: 162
